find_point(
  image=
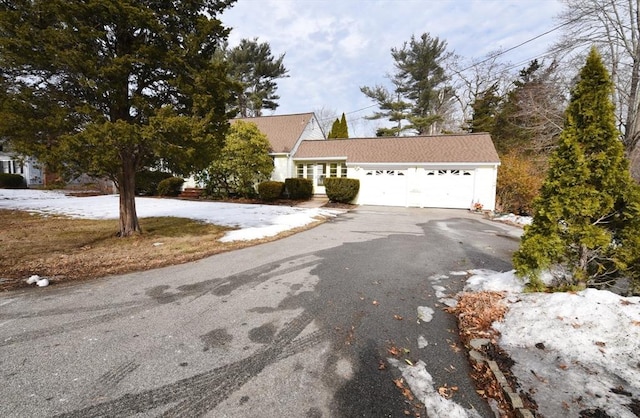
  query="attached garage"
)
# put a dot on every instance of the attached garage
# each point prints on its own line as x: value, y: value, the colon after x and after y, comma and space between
x: 443, y: 171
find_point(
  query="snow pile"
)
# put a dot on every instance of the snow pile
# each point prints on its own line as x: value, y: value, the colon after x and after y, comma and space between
x: 573, y: 351
x: 253, y: 221
x: 514, y: 219
x: 491, y: 281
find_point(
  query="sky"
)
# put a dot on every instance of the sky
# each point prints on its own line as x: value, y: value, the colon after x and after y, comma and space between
x: 333, y: 47
x: 581, y: 346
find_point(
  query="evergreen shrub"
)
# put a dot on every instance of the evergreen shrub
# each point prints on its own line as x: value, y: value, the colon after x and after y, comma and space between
x: 12, y: 181
x: 341, y: 189
x: 171, y: 186
x: 147, y: 181
x: 270, y: 190
x: 299, y: 189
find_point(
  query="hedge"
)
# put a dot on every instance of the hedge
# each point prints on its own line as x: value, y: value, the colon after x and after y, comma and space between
x: 341, y: 189
x: 298, y: 189
x: 147, y: 181
x: 12, y: 181
x: 270, y: 190
x: 171, y: 186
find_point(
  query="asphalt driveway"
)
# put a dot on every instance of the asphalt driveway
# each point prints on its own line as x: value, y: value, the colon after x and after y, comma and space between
x: 297, y: 327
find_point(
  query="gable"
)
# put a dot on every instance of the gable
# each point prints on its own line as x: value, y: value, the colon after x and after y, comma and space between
x: 285, y: 131
x: 466, y: 148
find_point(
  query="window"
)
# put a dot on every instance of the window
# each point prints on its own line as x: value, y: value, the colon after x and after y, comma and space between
x: 400, y: 173
x: 431, y: 173
x: 369, y: 173
x: 379, y: 172
x: 310, y: 171
x: 300, y: 171
x: 333, y: 170
x: 343, y: 170
x: 442, y: 172
x: 466, y: 173
x: 455, y: 172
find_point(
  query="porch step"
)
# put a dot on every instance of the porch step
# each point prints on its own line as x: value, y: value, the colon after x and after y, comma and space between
x: 191, y: 193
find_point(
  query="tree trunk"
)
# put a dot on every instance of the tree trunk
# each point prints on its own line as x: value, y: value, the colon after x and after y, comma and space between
x: 128, y: 217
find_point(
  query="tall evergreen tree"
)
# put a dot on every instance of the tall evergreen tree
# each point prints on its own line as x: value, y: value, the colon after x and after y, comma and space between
x: 339, y: 129
x: 585, y: 227
x: 344, y: 129
x: 255, y: 69
x: 335, y: 130
x: 422, y: 94
x: 108, y: 87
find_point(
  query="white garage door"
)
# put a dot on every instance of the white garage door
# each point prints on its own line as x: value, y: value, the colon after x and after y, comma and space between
x: 383, y: 187
x: 452, y: 188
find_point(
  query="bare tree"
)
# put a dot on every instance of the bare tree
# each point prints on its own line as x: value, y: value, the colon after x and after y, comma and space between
x: 472, y: 79
x: 613, y: 26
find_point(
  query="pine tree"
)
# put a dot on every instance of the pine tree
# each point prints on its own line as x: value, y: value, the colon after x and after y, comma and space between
x: 586, y: 225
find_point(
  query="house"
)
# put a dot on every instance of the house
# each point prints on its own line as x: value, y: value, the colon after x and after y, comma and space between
x: 26, y: 167
x: 441, y: 171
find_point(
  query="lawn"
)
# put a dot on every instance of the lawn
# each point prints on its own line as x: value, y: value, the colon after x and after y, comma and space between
x: 68, y: 249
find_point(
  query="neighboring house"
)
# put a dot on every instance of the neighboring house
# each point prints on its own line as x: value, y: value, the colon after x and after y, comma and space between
x: 26, y: 167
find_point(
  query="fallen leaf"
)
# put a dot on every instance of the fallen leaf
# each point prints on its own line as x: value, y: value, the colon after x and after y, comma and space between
x: 563, y: 366
x: 600, y: 343
x: 636, y: 323
x: 393, y: 351
x: 575, y: 325
x: 382, y: 365
x: 398, y: 317
x: 406, y: 350
x: 408, y: 362
x: 399, y: 382
x: 375, y: 302
x: 626, y: 302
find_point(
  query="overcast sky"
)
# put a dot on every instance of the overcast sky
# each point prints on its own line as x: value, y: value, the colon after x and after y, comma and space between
x: 333, y: 47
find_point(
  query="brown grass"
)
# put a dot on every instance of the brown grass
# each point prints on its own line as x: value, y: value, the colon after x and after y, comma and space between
x: 65, y: 249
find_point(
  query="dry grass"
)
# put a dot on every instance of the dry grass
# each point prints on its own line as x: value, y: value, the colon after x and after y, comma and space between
x: 65, y: 249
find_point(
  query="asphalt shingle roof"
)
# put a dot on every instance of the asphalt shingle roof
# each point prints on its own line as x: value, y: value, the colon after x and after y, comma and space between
x: 283, y: 131
x: 466, y: 148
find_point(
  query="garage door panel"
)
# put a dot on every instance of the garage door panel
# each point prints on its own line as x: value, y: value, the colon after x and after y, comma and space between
x: 449, y: 188
x: 383, y: 187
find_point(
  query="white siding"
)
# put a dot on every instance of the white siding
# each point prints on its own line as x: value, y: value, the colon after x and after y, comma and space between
x: 437, y: 186
x: 281, y: 167
x: 312, y: 131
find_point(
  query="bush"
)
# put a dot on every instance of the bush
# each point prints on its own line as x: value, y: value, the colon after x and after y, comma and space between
x: 12, y: 181
x: 171, y: 186
x: 299, y: 189
x: 147, y: 181
x: 519, y: 183
x: 341, y: 189
x: 270, y: 190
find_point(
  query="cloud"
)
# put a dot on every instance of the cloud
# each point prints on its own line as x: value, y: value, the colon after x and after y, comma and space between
x: 334, y: 47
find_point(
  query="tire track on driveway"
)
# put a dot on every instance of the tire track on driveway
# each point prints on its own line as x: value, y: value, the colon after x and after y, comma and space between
x: 197, y: 395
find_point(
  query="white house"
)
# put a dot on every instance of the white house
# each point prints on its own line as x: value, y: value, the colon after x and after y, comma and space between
x: 26, y: 167
x: 443, y: 171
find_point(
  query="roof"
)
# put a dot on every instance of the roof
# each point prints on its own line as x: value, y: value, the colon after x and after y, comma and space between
x: 283, y: 131
x: 465, y: 148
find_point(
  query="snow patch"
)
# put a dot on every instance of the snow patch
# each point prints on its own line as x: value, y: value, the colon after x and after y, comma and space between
x: 421, y: 384
x: 425, y: 314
